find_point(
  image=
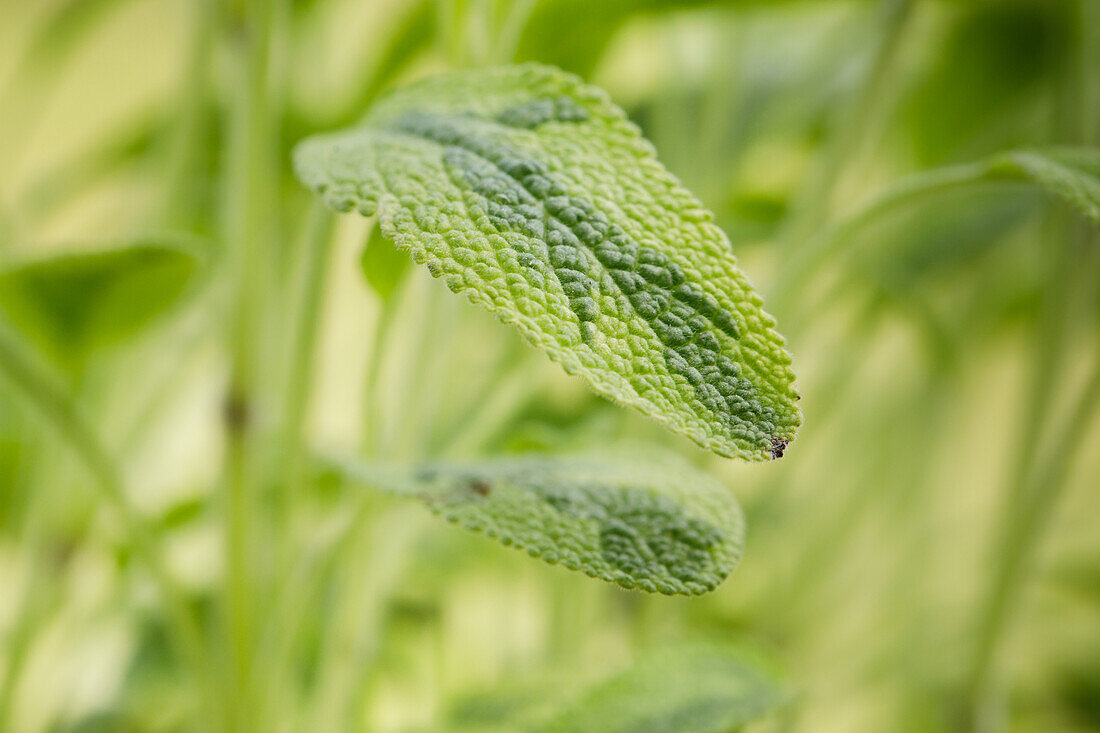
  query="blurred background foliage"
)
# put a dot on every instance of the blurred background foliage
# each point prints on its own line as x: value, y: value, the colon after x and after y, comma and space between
x: 926, y: 557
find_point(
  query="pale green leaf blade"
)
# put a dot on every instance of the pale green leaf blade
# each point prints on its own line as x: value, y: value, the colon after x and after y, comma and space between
x: 1072, y: 175
x: 384, y: 267
x: 659, y: 526
x: 72, y: 302
x: 690, y: 689
x: 531, y: 193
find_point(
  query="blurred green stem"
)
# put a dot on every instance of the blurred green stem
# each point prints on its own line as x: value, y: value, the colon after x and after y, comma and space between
x: 452, y: 18
x: 374, y: 421
x: 1035, y: 487
x: 853, y: 130
x: 511, y: 30
x: 182, y: 202
x: 513, y: 388
x: 312, y: 268
x: 1030, y: 503
x: 841, y: 235
x: 252, y: 205
x: 67, y: 419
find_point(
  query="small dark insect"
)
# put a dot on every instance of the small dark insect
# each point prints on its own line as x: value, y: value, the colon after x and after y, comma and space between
x: 778, y: 446
x: 479, y: 487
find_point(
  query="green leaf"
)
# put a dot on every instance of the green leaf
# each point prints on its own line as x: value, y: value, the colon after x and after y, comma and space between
x: 691, y: 689
x: 656, y: 526
x: 532, y: 194
x: 1071, y: 174
x: 989, y: 77
x: 73, y: 302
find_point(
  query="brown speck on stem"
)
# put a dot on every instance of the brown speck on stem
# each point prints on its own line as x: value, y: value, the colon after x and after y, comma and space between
x: 235, y: 412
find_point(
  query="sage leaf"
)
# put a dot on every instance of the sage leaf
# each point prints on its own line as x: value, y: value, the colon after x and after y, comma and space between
x: 532, y: 194
x: 658, y: 526
x: 690, y: 689
x: 1071, y: 174
x: 70, y: 303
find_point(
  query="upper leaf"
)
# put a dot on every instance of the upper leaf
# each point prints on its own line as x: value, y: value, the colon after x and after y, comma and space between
x: 72, y: 302
x: 656, y: 526
x: 530, y: 192
x: 691, y: 689
x: 1072, y: 174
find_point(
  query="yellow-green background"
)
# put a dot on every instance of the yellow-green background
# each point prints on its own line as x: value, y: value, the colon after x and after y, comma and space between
x: 921, y: 347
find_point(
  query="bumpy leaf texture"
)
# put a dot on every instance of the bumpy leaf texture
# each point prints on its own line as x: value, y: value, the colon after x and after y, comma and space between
x: 661, y: 527
x: 690, y: 689
x: 531, y: 193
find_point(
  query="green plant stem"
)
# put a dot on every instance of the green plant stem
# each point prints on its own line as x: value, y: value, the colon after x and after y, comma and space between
x: 511, y: 30
x: 513, y: 389
x: 182, y: 202
x: 1035, y: 487
x: 836, y: 238
x: 37, y: 601
x: 1030, y: 495
x: 1031, y: 503
x: 312, y: 268
x: 852, y: 130
x: 452, y: 17
x: 373, y: 560
x: 250, y: 178
x: 65, y: 418
x: 373, y: 417
x: 315, y: 251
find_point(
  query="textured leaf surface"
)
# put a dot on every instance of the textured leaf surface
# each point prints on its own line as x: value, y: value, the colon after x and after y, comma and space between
x: 532, y: 194
x: 660, y: 527
x: 692, y: 689
x: 71, y: 302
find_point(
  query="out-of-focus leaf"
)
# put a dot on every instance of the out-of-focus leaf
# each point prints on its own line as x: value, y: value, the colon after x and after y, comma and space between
x: 690, y: 689
x: 1072, y: 175
x: 944, y: 235
x: 1078, y: 686
x: 384, y: 266
x: 979, y: 93
x: 72, y: 303
x: 659, y: 526
x: 511, y: 706
x: 68, y: 23
x: 104, y: 722
x: 591, y: 26
x: 529, y: 192
x: 72, y: 177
